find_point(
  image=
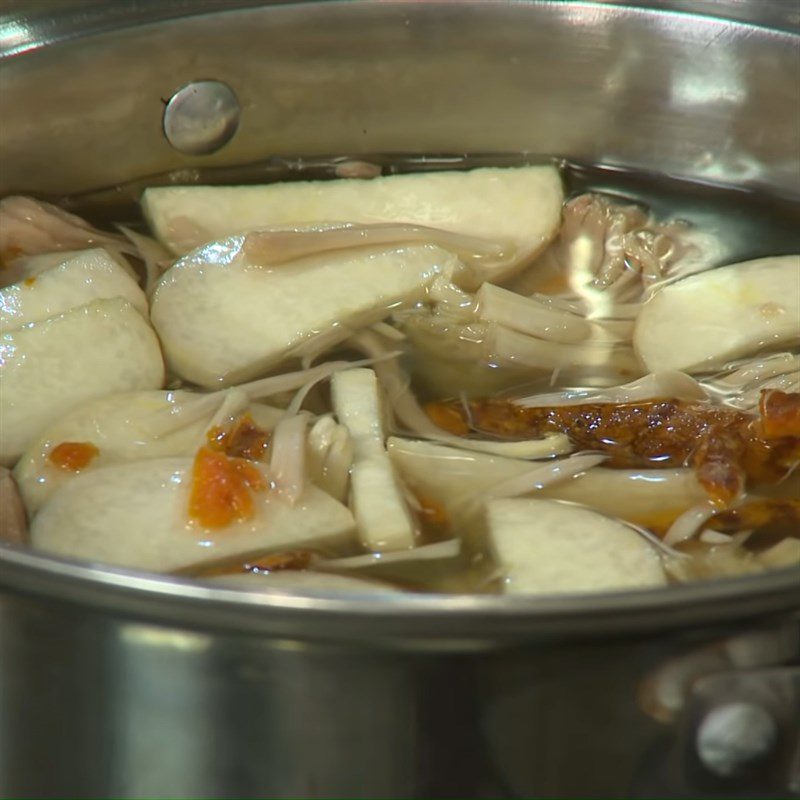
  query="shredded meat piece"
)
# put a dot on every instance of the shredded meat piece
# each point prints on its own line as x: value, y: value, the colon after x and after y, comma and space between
x: 725, y: 446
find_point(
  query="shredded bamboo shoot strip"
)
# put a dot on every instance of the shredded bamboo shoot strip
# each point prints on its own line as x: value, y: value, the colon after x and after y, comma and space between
x: 528, y: 316
x: 288, y: 456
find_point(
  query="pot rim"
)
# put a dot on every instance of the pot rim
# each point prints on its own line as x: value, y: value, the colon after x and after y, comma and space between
x: 26, y: 27
x: 459, y: 619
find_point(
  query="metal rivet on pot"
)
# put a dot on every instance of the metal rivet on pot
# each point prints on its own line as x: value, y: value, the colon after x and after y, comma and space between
x: 735, y: 735
x: 201, y: 117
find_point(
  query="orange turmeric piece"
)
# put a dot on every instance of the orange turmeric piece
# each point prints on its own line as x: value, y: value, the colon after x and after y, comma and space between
x: 73, y: 456
x: 222, y: 488
x: 725, y: 446
x: 242, y: 439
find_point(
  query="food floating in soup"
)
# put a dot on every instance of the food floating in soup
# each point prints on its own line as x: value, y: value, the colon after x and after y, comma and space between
x: 440, y: 381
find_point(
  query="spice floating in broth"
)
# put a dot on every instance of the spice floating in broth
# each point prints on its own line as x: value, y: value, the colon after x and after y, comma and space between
x: 726, y: 447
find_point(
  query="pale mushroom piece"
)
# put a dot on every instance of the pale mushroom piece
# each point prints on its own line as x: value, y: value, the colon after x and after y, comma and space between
x: 136, y: 515
x: 75, y: 280
x: 454, y: 477
x: 382, y: 514
x: 302, y: 582
x: 48, y: 368
x: 550, y: 547
x: 124, y: 427
x: 223, y: 318
x: 708, y: 319
x: 520, y: 206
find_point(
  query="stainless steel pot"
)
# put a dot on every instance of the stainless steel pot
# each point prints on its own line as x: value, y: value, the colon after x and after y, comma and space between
x: 126, y: 685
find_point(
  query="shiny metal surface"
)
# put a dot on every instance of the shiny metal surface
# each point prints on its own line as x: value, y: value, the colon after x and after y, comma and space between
x: 735, y: 735
x: 684, y: 94
x: 117, y: 707
x: 201, y: 117
x: 131, y: 685
x: 742, y: 726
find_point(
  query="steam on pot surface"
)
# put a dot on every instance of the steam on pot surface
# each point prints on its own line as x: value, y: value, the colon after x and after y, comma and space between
x: 493, y: 379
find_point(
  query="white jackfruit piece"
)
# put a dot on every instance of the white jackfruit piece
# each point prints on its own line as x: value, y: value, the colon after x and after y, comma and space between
x: 74, y: 280
x: 124, y: 427
x: 136, y: 515
x: 48, y: 368
x: 546, y: 547
x: 708, y: 319
x: 520, y: 206
x: 223, y: 318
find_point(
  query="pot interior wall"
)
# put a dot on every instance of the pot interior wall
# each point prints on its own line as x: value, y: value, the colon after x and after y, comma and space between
x: 686, y: 95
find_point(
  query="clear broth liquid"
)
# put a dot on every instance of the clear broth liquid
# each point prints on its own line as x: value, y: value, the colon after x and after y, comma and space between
x: 746, y: 224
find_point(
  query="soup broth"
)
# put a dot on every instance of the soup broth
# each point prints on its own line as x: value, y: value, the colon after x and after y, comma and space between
x: 484, y: 377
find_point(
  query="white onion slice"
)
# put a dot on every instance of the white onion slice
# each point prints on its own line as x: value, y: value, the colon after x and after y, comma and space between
x: 234, y: 401
x: 200, y: 405
x: 451, y: 548
x: 670, y: 383
x: 330, y: 450
x: 688, y: 524
x: 754, y: 370
x: 511, y: 347
x: 543, y: 476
